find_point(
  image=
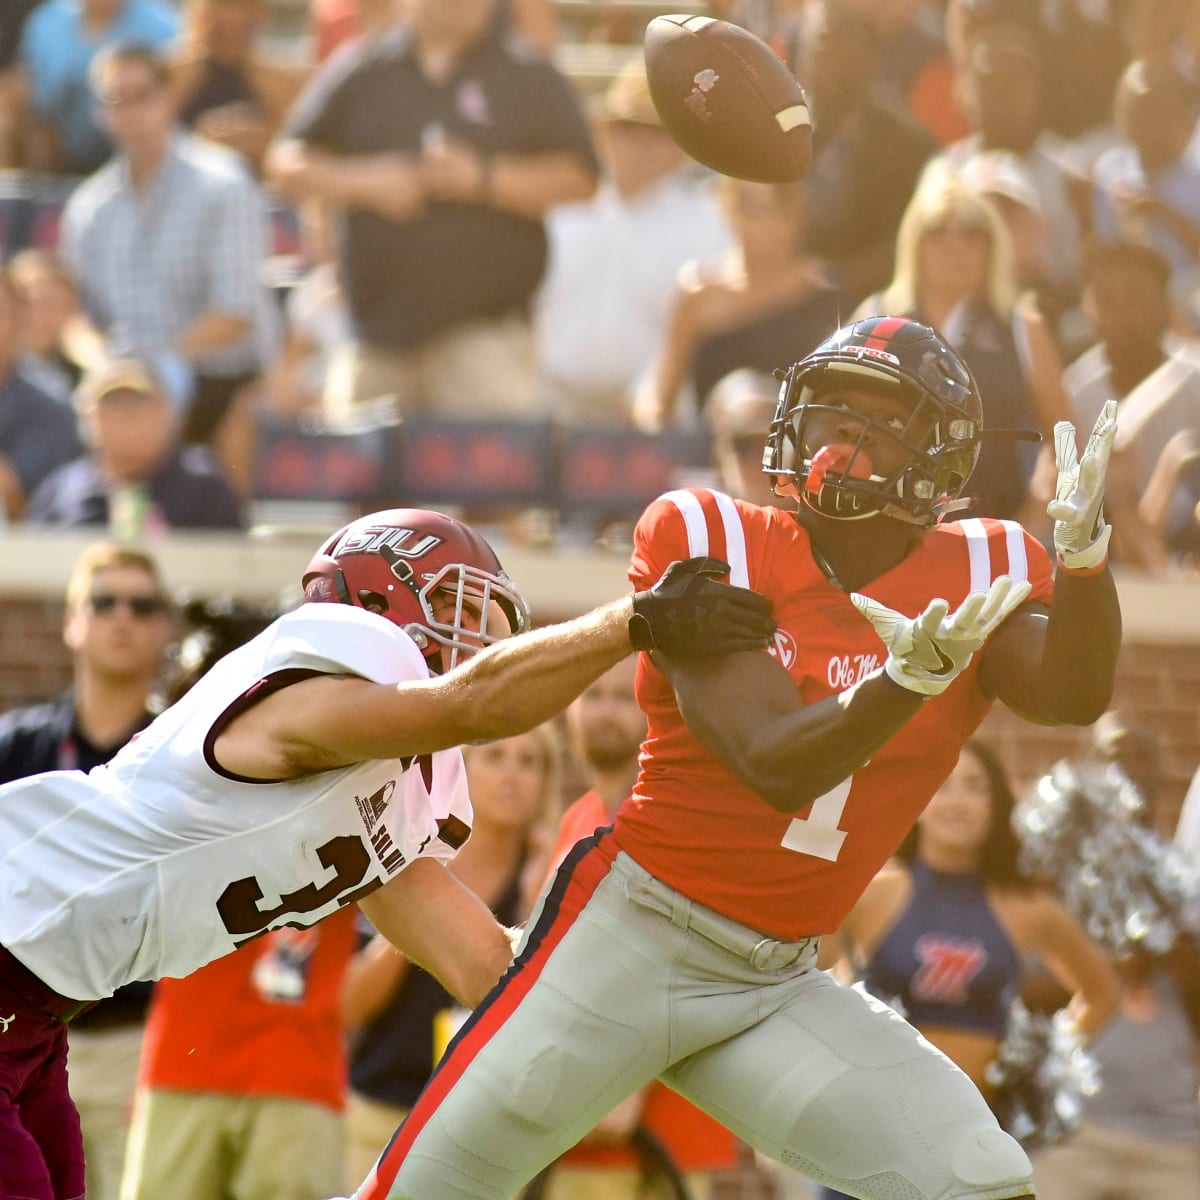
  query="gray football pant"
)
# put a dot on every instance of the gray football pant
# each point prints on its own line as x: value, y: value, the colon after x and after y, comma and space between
x: 622, y: 979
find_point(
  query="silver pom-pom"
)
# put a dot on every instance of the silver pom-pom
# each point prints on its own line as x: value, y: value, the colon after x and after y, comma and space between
x: 1039, y: 1077
x: 1082, y: 830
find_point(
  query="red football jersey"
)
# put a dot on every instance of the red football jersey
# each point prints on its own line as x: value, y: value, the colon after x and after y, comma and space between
x: 696, y: 826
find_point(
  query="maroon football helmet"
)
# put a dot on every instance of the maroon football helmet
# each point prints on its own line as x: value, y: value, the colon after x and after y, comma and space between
x: 393, y: 562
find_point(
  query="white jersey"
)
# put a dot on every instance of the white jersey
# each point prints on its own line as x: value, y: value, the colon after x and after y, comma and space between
x: 160, y: 861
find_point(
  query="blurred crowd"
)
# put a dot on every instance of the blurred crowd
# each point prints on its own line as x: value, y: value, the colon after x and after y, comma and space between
x: 411, y: 214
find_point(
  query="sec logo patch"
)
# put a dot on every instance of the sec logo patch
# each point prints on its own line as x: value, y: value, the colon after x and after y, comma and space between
x: 783, y: 648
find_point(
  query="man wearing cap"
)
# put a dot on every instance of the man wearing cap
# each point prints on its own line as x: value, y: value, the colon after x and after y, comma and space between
x: 136, y: 477
x: 614, y: 260
x: 1002, y: 80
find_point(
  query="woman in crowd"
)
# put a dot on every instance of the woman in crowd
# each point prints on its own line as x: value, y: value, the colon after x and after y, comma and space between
x: 51, y: 308
x: 954, y: 271
x: 1139, y: 1130
x: 943, y: 931
x: 227, y: 91
x: 400, y: 1017
x: 765, y: 305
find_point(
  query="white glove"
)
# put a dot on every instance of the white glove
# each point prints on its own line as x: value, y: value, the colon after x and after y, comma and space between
x: 1080, y: 532
x: 927, y: 653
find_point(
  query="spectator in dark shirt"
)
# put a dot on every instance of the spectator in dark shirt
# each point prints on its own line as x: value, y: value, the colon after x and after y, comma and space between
x: 868, y: 151
x: 116, y: 628
x: 1004, y: 76
x: 136, y: 477
x: 764, y: 304
x: 51, y: 298
x: 13, y: 15
x: 228, y: 91
x: 37, y: 434
x: 442, y: 240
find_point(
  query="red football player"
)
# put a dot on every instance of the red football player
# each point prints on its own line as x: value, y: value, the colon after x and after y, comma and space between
x: 681, y: 944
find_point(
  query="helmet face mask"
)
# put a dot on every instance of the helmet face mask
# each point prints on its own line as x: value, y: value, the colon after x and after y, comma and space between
x: 426, y: 572
x: 927, y: 454
x: 467, y: 589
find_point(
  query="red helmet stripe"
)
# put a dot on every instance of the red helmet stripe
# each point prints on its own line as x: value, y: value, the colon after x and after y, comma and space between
x: 883, y: 330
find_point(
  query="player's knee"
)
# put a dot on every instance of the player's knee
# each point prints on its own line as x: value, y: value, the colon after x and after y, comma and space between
x: 989, y: 1159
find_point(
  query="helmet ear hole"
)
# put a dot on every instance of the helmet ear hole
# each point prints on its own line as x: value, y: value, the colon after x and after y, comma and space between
x: 375, y: 602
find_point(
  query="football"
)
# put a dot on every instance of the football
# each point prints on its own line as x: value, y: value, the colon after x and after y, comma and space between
x: 728, y: 99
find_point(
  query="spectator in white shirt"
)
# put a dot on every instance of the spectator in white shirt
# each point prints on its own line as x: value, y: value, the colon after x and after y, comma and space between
x: 167, y: 242
x: 614, y: 260
x: 1154, y: 377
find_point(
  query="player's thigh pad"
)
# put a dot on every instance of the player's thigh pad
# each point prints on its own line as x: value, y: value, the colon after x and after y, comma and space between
x: 834, y: 1084
x: 579, y: 1024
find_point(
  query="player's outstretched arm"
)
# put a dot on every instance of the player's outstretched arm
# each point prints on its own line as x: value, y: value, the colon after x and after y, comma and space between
x: 511, y: 686
x: 1056, y: 666
x: 747, y: 711
x: 438, y: 923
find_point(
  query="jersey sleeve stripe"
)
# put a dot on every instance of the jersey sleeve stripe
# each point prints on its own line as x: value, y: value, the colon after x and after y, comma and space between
x: 694, y: 520
x: 735, y: 540
x: 979, y: 553
x: 1018, y: 556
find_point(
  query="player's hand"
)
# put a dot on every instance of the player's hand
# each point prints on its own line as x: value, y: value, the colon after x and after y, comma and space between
x: 1080, y: 531
x: 688, y: 614
x: 927, y: 653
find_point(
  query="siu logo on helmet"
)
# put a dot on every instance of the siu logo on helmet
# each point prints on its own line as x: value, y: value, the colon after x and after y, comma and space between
x: 374, y: 538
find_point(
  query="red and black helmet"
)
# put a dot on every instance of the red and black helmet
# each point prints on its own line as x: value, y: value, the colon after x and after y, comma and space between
x: 897, y: 357
x: 392, y: 563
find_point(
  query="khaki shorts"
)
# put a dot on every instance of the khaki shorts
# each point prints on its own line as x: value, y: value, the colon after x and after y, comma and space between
x: 103, y: 1066
x: 622, y: 979
x: 485, y: 368
x: 199, y: 1145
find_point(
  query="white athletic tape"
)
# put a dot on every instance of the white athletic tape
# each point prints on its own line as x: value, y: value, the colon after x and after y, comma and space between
x: 792, y: 118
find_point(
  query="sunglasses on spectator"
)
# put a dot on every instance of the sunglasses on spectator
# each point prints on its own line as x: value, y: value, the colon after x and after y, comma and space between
x: 103, y: 603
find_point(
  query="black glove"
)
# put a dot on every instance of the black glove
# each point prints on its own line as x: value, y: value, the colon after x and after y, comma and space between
x: 687, y: 614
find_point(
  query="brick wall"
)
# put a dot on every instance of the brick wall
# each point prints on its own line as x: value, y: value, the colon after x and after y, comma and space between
x: 34, y: 661
x: 1158, y: 686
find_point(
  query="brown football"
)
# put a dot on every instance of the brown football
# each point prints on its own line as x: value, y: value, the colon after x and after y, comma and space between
x: 728, y: 99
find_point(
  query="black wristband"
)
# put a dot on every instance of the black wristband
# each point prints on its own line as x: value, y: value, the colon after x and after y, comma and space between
x: 641, y: 637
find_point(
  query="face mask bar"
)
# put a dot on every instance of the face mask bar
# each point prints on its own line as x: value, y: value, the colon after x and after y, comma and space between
x: 912, y: 493
x: 461, y: 581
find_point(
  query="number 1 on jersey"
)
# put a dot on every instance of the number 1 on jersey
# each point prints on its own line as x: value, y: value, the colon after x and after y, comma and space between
x: 818, y: 833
